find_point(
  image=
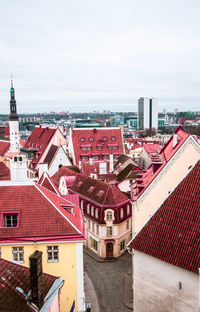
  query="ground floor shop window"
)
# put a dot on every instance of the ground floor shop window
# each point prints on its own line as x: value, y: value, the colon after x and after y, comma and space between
x: 93, y: 243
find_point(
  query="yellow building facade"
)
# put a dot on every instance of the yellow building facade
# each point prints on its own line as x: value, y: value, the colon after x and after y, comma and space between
x: 69, y: 267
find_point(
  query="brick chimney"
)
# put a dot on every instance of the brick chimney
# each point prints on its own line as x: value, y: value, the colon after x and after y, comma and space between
x: 36, y: 287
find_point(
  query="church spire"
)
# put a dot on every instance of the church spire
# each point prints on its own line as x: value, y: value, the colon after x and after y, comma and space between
x: 13, y: 107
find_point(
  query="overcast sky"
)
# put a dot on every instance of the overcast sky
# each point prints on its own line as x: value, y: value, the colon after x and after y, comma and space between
x: 84, y: 55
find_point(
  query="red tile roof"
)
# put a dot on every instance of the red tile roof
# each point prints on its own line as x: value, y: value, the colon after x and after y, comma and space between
x: 39, y: 140
x: 48, y: 183
x: 151, y: 148
x: 4, y: 172
x: 99, y: 192
x: 12, y: 276
x: 172, y: 233
x: 41, y: 214
x: 63, y: 171
x: 166, y: 153
x: 168, y: 150
x: 4, y: 146
x: 101, y: 136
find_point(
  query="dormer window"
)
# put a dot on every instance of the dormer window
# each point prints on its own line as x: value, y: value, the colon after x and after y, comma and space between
x: 121, y: 213
x: 100, y: 193
x: 10, y: 219
x: 91, y: 189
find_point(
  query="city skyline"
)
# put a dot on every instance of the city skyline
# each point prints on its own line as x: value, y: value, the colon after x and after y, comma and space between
x: 90, y: 55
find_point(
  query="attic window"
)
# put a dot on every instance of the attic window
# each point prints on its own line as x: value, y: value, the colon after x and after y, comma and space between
x: 91, y: 139
x: 67, y: 207
x: 82, y: 139
x: 100, y: 193
x: 105, y: 139
x: 10, y: 219
x: 113, y: 138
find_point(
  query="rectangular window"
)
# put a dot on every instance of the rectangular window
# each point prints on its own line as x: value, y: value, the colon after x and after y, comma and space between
x: 95, y: 157
x: 127, y: 224
x: 93, y: 244
x: 84, y: 157
x: 99, y: 147
x: 18, y: 254
x: 109, y: 230
x: 52, y: 254
x: 88, y: 224
x: 122, y: 245
x: 0, y: 252
x: 97, y: 229
x: 92, y: 226
x: 10, y: 220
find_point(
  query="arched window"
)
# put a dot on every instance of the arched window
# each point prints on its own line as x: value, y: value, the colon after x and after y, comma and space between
x: 88, y: 208
x: 121, y: 213
x: 96, y: 213
x: 92, y: 211
x: 82, y: 204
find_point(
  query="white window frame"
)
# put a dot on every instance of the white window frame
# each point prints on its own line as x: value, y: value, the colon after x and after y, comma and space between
x: 109, y: 231
x: 52, y: 250
x: 88, y: 208
x: 18, y: 254
x: 122, y: 245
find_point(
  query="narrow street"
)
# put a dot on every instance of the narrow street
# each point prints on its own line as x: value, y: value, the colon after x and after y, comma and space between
x: 109, y: 282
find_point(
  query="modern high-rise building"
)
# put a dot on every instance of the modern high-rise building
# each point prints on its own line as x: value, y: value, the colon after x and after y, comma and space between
x: 147, y: 113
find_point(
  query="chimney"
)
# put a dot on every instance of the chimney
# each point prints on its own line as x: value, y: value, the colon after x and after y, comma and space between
x: 111, y: 163
x: 36, y: 287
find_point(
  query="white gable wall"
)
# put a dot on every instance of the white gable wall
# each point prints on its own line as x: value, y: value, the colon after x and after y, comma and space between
x: 156, y: 286
x: 60, y: 159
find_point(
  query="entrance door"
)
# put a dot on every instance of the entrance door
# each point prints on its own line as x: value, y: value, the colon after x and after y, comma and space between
x: 109, y: 250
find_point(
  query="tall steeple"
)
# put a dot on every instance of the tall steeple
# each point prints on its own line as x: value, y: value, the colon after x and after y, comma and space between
x: 13, y: 123
x: 13, y: 107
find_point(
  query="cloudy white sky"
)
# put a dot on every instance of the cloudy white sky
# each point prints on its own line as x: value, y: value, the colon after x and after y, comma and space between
x: 84, y: 55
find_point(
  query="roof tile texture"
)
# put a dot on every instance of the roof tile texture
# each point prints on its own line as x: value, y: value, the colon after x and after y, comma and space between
x: 15, y: 275
x: 172, y: 234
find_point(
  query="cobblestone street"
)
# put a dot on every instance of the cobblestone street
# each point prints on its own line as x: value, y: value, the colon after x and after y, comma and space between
x: 113, y: 288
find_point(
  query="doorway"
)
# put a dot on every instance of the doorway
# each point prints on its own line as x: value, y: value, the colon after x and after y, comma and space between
x: 109, y: 250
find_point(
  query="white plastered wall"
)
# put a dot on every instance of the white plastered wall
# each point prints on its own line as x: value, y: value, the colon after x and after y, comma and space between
x: 157, y: 286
